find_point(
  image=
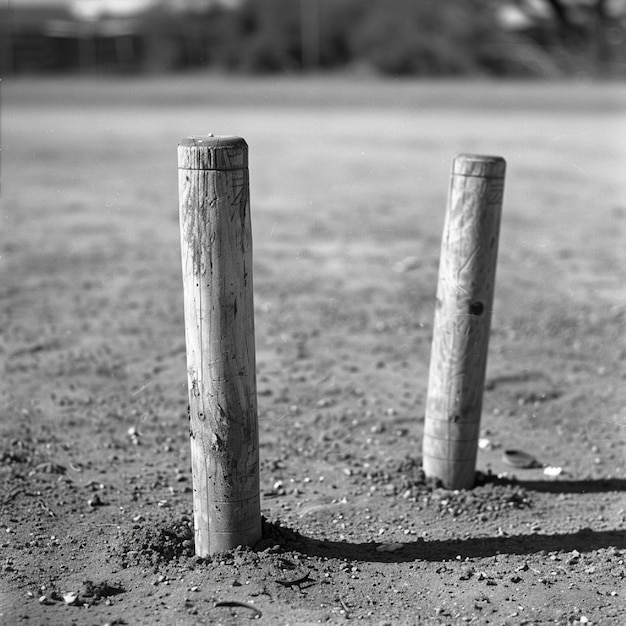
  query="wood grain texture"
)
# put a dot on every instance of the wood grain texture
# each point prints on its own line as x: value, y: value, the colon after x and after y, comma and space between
x: 216, y: 248
x: 462, y: 319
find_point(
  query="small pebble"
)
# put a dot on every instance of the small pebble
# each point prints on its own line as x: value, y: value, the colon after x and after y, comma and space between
x: 390, y: 547
x: 70, y: 598
x: 552, y: 471
x: 95, y: 501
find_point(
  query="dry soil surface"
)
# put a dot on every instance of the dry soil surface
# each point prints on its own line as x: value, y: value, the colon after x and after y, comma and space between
x: 349, y: 179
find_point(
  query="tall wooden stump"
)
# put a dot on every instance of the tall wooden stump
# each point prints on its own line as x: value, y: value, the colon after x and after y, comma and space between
x: 216, y: 245
x: 462, y: 320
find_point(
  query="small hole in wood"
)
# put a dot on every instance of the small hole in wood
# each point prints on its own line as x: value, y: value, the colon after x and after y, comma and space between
x: 476, y: 308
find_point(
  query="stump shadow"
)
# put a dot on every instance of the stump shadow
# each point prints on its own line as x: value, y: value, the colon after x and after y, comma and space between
x: 585, y: 540
x: 573, y: 486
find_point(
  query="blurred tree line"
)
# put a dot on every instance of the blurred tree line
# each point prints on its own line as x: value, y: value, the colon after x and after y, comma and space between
x: 423, y: 37
x: 400, y: 37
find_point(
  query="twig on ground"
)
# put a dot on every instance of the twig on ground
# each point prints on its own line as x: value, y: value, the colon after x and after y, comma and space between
x: 237, y: 604
x: 297, y: 581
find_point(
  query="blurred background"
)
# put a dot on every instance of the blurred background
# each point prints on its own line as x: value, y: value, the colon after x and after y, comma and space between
x: 517, y: 38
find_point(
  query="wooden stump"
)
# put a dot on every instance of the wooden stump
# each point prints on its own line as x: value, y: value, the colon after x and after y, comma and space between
x: 462, y: 320
x: 216, y: 246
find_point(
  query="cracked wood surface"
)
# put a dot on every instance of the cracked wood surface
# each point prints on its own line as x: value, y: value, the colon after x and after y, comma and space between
x: 216, y: 247
x: 462, y: 319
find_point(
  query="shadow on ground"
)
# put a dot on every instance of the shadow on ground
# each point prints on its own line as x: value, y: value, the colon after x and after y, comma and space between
x: 585, y: 540
x: 573, y: 486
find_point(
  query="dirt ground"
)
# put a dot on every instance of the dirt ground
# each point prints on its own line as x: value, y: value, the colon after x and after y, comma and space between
x: 348, y: 181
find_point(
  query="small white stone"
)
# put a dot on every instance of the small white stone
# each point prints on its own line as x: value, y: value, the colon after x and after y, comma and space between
x: 70, y: 598
x: 552, y: 471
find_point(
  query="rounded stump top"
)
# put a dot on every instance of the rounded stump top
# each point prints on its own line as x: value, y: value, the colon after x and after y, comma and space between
x: 479, y: 165
x: 213, y: 152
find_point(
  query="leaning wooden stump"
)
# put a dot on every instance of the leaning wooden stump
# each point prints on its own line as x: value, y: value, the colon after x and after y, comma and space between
x: 216, y: 245
x: 462, y: 320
